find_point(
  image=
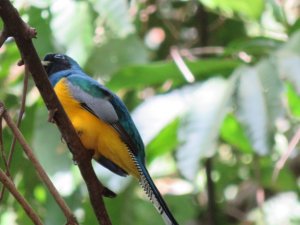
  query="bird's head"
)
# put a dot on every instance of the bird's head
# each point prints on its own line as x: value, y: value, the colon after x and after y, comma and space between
x: 58, y: 62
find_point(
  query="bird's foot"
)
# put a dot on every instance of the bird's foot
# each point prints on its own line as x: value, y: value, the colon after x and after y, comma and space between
x: 51, y: 114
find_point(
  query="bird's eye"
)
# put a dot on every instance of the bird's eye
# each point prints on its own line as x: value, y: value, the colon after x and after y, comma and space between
x: 59, y: 56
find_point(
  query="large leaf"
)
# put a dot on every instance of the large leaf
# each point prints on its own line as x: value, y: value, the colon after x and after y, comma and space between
x: 156, y: 113
x: 233, y: 133
x: 116, y: 16
x: 201, y: 108
x: 54, y: 155
x: 165, y: 141
x: 293, y: 100
x: 158, y: 72
x: 257, y: 46
x: 259, y: 103
x: 71, y: 21
x: 199, y: 130
x: 249, y: 9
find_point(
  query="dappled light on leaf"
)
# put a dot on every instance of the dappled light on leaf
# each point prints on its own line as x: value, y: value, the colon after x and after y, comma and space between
x: 259, y: 103
x: 206, y: 106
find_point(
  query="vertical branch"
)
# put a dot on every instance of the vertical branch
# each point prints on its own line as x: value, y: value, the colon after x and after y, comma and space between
x: 6, y: 181
x: 4, y: 158
x: 21, y: 113
x: 203, y: 33
x: 202, y: 26
x: 211, y: 193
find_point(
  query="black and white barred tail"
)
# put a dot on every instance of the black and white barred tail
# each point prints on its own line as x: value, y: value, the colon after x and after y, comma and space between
x: 155, y: 197
x: 152, y: 192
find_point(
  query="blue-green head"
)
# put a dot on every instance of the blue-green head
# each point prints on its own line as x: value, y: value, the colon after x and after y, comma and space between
x: 58, y: 66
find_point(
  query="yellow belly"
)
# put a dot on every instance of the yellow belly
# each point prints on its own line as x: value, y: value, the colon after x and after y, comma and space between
x: 94, y: 133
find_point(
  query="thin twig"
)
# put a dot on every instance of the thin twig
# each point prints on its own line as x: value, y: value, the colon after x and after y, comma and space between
x: 281, y: 162
x: 3, y: 152
x: 181, y: 65
x: 39, y: 169
x: 21, y: 113
x: 6, y: 181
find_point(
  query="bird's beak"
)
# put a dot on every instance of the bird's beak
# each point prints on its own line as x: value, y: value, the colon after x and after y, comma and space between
x: 45, y: 63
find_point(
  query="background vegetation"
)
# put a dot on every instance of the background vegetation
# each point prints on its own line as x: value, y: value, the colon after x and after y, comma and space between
x: 213, y: 133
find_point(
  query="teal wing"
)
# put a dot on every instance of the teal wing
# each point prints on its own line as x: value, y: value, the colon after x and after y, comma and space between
x: 104, y: 104
x: 107, y: 106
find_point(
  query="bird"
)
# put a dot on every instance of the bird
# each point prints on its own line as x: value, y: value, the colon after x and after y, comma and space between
x: 103, y: 124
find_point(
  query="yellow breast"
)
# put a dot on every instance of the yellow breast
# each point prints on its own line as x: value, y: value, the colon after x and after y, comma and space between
x: 94, y: 133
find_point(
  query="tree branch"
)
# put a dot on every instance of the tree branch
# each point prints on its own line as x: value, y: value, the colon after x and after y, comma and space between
x: 211, y: 193
x: 3, y: 36
x: 3, y: 155
x: 42, y: 174
x: 22, y: 34
x: 12, y: 188
x: 21, y: 113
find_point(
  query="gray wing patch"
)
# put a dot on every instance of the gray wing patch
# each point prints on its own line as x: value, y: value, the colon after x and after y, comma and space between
x: 100, y: 107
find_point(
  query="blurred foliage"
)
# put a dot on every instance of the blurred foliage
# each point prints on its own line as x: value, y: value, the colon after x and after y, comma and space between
x: 241, y: 110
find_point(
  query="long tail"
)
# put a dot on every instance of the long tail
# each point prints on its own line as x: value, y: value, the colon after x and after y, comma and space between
x: 155, y: 197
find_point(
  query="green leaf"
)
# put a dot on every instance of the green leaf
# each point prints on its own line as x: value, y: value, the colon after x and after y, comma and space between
x: 286, y: 180
x: 9, y: 57
x: 200, y: 125
x: 295, y: 28
x: 138, y: 76
x: 72, y: 23
x: 160, y: 111
x: 115, y: 15
x: 44, y: 36
x: 233, y: 133
x: 248, y: 9
x: 164, y: 142
x: 48, y: 146
x: 122, y: 211
x: 257, y: 46
x: 116, y: 53
x: 293, y: 100
x: 259, y: 103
